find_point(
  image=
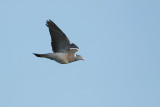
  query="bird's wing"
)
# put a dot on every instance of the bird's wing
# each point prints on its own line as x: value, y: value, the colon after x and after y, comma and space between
x: 59, y: 41
x: 73, y: 48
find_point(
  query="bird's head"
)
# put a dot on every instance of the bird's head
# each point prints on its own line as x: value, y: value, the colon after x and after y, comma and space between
x: 78, y: 57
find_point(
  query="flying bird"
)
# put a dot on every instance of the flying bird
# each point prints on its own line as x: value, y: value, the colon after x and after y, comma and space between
x: 63, y: 51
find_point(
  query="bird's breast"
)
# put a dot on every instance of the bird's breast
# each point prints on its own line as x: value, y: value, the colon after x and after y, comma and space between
x: 71, y: 57
x: 61, y: 58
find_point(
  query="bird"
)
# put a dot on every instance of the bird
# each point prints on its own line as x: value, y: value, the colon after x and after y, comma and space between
x: 63, y: 50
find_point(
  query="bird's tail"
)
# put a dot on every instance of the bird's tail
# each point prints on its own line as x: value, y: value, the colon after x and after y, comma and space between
x: 48, y: 55
x: 39, y: 55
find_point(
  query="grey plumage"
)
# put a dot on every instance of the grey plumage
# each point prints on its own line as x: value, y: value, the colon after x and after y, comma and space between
x: 59, y: 41
x: 64, y: 52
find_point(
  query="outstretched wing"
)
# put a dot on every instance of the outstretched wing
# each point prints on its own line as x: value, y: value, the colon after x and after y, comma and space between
x: 59, y: 41
x: 73, y: 48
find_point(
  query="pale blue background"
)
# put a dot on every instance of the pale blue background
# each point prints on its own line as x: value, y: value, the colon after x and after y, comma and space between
x: 119, y: 40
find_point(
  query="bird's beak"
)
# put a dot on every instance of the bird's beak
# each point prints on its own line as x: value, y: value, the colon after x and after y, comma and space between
x: 82, y: 59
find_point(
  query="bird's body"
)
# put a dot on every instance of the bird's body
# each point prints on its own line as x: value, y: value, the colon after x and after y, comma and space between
x: 64, y: 52
x: 59, y: 57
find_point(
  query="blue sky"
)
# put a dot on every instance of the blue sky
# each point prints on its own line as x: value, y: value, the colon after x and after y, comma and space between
x: 119, y: 40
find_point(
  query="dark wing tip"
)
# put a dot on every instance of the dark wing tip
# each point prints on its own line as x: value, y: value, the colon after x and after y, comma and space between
x: 73, y: 46
x: 50, y: 23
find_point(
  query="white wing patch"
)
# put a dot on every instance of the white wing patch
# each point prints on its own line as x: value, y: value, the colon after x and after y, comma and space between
x: 73, y: 50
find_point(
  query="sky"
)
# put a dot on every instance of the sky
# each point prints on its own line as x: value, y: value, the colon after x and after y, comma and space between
x: 119, y: 40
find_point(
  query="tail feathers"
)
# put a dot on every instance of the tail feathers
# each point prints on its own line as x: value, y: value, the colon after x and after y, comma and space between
x: 49, y: 55
x: 38, y: 55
